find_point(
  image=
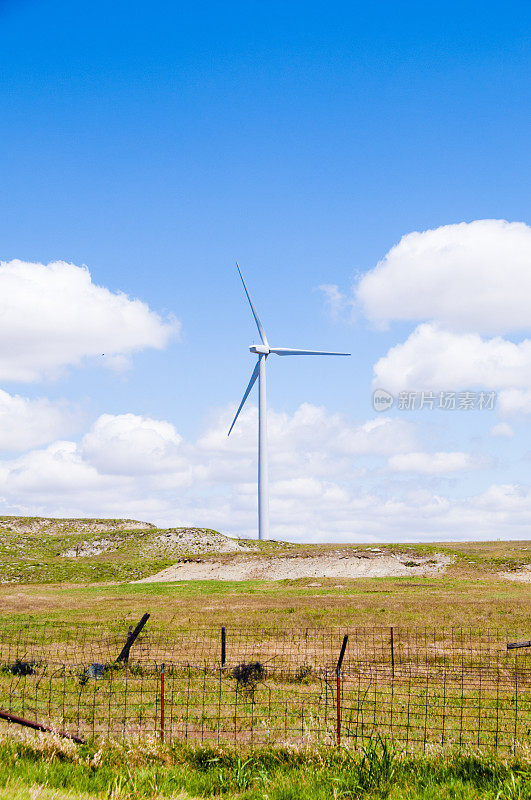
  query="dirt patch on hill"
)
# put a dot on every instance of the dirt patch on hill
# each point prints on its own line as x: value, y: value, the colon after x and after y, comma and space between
x: 292, y: 567
x: 522, y: 575
x: 61, y: 527
x: 201, y: 540
x: 172, y: 543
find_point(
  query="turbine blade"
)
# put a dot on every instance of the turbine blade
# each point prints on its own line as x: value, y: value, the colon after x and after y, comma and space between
x: 290, y: 351
x: 259, y: 325
x: 250, y: 385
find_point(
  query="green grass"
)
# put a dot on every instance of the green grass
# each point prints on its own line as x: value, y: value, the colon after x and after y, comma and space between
x: 434, y: 602
x: 38, y: 582
x: 44, y: 767
x: 37, y: 557
x: 42, y: 585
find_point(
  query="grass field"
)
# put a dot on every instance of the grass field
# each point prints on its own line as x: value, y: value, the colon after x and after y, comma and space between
x: 32, y: 551
x: 37, y: 581
x: 40, y: 584
x: 478, y: 601
x: 44, y: 768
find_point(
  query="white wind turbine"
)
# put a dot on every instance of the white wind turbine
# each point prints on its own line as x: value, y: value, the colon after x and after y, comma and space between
x: 262, y: 351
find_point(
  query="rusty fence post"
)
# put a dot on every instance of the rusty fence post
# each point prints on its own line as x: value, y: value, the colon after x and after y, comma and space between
x: 392, y: 652
x: 37, y: 726
x: 338, y: 688
x: 162, y: 702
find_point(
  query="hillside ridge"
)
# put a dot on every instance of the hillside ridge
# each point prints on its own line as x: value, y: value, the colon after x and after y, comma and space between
x: 93, y: 550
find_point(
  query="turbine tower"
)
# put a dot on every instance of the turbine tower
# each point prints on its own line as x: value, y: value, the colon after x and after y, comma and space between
x: 262, y: 351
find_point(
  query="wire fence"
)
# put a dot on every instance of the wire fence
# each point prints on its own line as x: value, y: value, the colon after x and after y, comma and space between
x: 422, y: 688
x: 282, y: 650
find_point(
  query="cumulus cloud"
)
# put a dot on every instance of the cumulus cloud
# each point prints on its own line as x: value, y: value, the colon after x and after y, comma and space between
x: 467, y: 284
x: 469, y: 277
x: 312, y: 439
x: 128, y: 444
x: 324, y: 486
x: 132, y: 465
x: 30, y: 423
x: 432, y: 463
x: 53, y: 316
x: 437, y: 359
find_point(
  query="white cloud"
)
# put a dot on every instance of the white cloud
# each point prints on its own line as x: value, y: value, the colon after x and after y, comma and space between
x: 128, y: 444
x: 437, y: 359
x: 55, y: 472
x: 502, y: 429
x: 324, y: 443
x: 337, y: 302
x: 468, y: 277
x: 53, y: 316
x: 30, y: 423
x: 432, y: 463
x: 132, y: 465
x: 515, y: 401
x: 320, y: 489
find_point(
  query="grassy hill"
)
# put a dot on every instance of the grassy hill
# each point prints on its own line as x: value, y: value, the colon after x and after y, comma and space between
x: 82, y: 569
x: 43, y: 550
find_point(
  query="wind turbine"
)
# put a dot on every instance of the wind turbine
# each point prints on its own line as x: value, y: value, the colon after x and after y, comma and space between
x: 263, y: 351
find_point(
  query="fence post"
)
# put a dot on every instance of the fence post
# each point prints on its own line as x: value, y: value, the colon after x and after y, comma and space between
x: 392, y: 653
x: 131, y: 637
x: 162, y: 702
x: 223, y: 647
x: 338, y: 688
x: 37, y: 726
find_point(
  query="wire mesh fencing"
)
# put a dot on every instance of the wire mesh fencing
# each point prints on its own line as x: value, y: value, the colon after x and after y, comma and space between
x: 423, y: 689
x: 282, y: 650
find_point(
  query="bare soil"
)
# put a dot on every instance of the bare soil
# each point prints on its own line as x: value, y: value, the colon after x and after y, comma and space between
x: 366, y: 565
x: 60, y: 527
x: 523, y: 575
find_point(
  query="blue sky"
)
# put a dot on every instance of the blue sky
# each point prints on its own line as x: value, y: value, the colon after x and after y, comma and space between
x: 156, y: 145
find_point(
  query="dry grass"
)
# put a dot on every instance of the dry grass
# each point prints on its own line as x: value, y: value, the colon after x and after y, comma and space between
x: 457, y: 601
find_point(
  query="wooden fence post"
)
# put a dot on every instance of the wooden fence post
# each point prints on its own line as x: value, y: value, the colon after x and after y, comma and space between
x: 131, y: 637
x: 338, y: 688
x: 223, y: 647
x: 515, y: 645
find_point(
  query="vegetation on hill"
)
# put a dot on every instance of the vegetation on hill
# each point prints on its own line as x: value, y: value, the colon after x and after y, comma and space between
x: 82, y: 570
x: 36, y: 550
x: 85, y: 551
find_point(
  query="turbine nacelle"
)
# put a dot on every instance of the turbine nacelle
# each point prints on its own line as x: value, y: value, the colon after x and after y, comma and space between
x: 259, y: 349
